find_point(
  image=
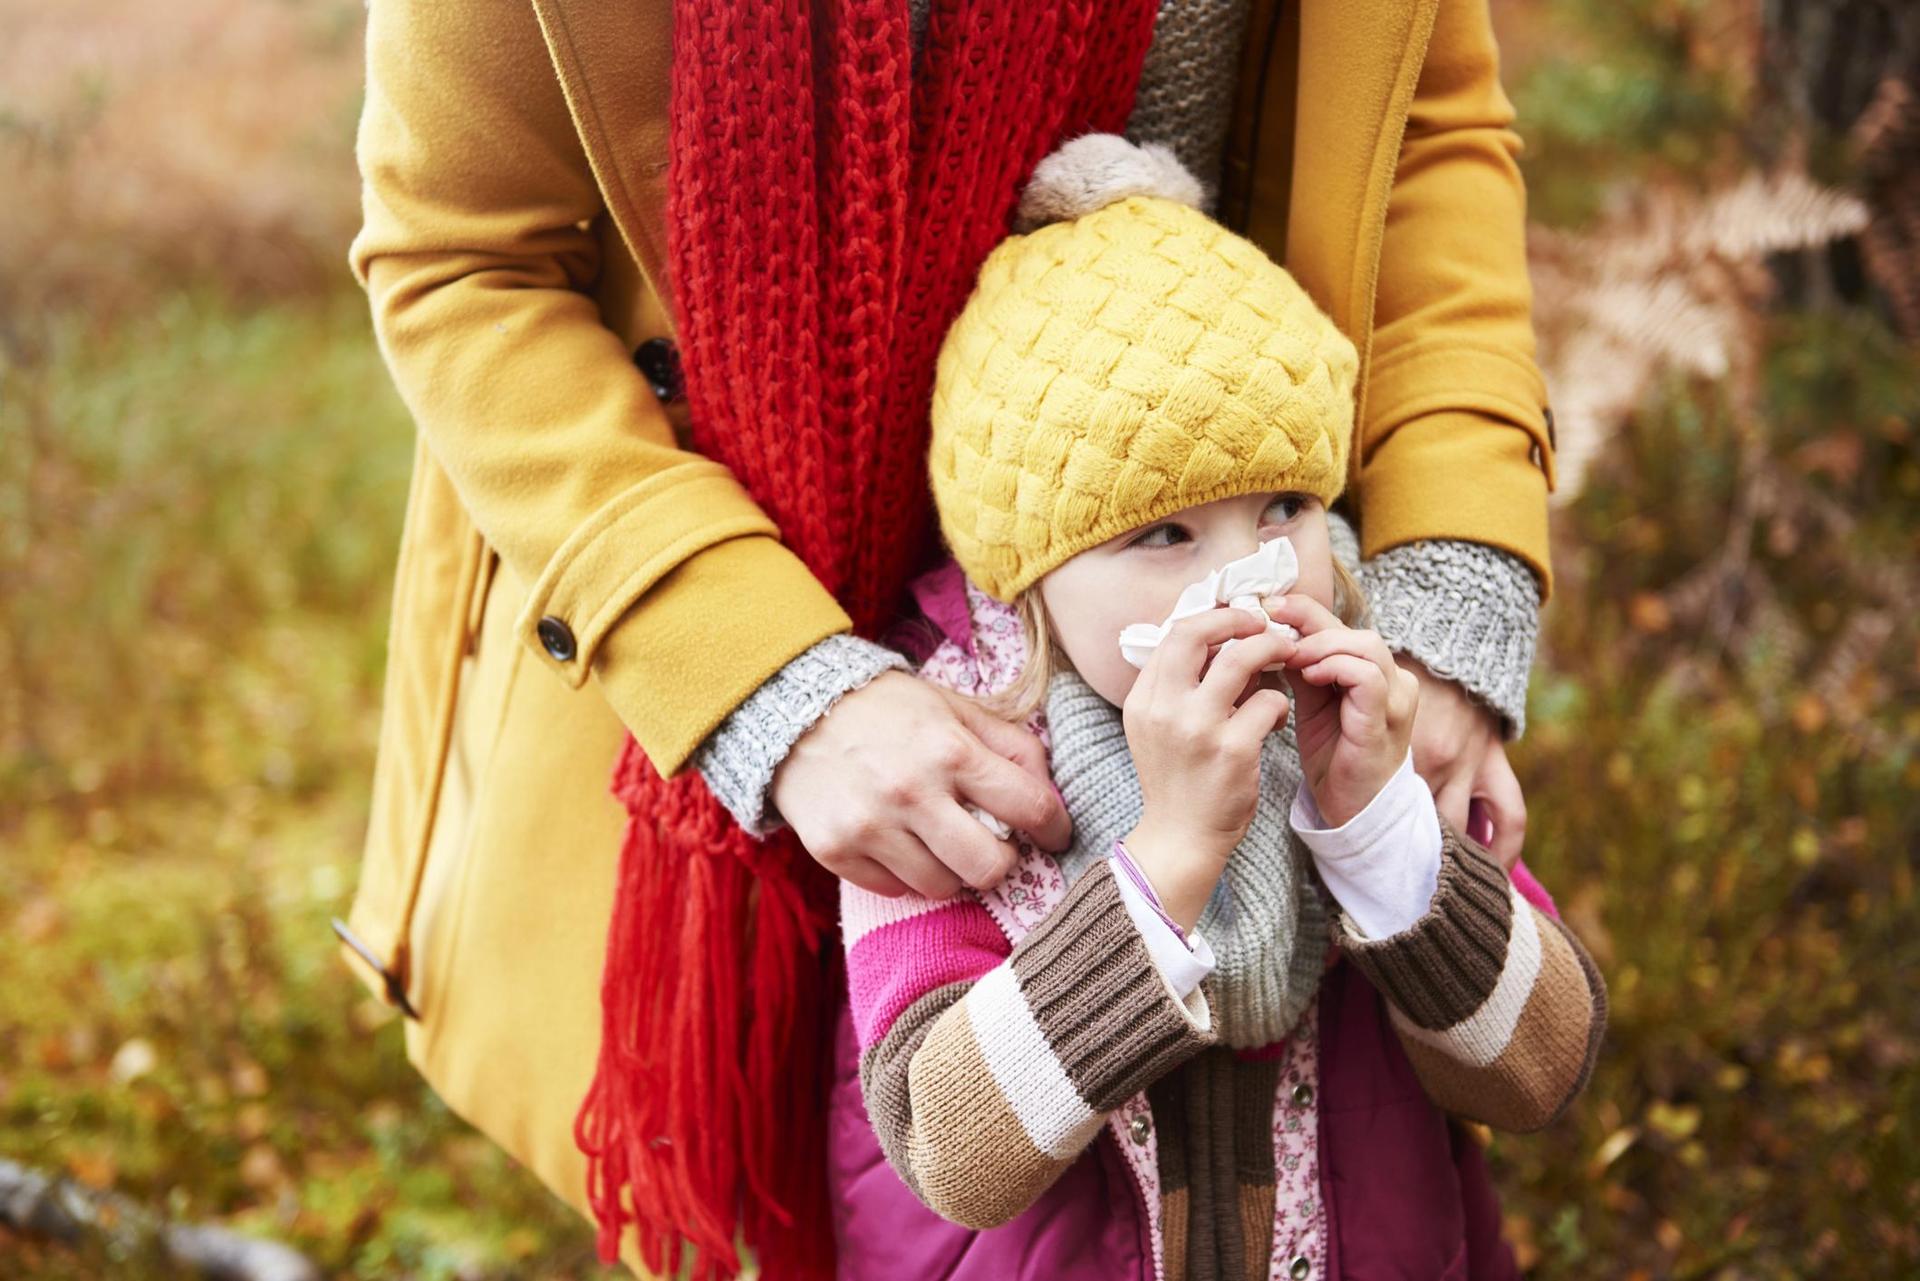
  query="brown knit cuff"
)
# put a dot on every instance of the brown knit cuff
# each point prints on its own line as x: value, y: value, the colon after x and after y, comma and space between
x: 1107, y: 1012
x: 1443, y: 967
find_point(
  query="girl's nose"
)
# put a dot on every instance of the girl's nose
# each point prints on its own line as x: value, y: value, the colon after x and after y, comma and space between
x: 1241, y: 542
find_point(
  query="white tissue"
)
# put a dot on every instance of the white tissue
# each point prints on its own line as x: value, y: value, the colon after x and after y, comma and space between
x: 1239, y: 584
x: 1000, y: 830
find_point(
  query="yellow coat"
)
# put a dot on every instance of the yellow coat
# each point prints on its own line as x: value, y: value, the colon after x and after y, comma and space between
x: 514, y: 160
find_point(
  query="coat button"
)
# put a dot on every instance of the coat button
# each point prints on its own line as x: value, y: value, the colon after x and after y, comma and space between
x: 1140, y: 1127
x: 1300, y: 1267
x: 557, y: 637
x: 659, y: 363
x: 1302, y: 1095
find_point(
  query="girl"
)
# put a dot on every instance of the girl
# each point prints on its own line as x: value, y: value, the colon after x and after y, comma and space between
x: 1216, y: 1036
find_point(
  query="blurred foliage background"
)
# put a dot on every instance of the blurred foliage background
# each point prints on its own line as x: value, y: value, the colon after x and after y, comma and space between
x: 202, y: 468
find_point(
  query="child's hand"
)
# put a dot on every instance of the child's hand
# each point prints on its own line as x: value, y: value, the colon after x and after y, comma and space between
x: 1353, y: 707
x: 1197, y: 754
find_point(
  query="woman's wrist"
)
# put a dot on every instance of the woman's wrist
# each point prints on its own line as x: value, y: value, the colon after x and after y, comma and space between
x: 741, y: 756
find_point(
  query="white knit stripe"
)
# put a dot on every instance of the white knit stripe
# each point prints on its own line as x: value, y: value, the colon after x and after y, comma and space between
x: 1479, y: 1038
x: 1033, y: 1080
x: 862, y: 911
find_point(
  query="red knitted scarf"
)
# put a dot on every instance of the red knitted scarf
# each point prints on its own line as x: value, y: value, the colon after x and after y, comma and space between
x: 828, y: 213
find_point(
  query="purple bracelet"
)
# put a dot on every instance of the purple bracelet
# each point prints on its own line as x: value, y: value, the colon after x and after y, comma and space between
x: 1124, y: 857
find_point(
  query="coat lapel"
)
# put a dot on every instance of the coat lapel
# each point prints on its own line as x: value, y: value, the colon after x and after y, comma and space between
x: 614, y: 63
x: 1355, y: 83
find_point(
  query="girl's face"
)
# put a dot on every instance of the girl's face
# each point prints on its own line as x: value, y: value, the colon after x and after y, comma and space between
x: 1137, y: 576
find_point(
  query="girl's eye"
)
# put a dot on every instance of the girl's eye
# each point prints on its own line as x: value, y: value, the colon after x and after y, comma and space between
x: 1154, y: 537
x: 1287, y: 506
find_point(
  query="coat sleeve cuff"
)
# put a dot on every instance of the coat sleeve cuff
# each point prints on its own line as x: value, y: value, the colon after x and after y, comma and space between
x: 704, y: 637
x: 1499, y: 497
x: 619, y: 552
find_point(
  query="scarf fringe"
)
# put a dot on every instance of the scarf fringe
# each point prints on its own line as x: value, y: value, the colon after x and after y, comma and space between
x: 687, y: 1106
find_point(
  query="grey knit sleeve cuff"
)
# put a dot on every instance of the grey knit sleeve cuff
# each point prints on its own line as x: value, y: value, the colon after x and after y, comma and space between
x: 738, y: 758
x: 1467, y: 611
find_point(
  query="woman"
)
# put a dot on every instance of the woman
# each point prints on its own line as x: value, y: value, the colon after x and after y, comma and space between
x: 520, y: 233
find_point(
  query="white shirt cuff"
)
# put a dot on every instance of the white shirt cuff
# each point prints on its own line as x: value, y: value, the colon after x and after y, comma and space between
x: 1183, y: 965
x: 1383, y: 864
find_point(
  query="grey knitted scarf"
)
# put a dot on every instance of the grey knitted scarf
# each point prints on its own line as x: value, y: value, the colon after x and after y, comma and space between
x: 1266, y: 922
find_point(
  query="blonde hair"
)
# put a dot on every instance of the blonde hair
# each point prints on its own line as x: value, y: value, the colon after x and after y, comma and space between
x: 1023, y: 696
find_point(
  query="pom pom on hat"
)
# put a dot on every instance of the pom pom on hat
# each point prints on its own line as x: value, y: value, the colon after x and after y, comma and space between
x: 1095, y: 170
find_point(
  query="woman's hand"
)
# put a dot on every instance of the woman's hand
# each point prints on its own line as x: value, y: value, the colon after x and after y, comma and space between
x: 876, y: 789
x: 1458, y: 750
x: 1354, y: 707
x: 1195, y: 729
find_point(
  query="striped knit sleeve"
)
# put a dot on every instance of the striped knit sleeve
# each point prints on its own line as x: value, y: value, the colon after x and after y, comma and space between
x: 1498, y: 1006
x: 986, y: 1069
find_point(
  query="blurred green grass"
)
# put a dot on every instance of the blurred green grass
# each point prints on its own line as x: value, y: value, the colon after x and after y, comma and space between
x: 208, y: 493
x: 200, y: 506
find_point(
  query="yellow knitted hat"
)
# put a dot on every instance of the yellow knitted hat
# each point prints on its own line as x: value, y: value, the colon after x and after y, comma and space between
x: 1124, y: 359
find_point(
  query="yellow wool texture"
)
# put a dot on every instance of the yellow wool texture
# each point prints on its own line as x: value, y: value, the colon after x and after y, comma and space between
x: 1117, y: 368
